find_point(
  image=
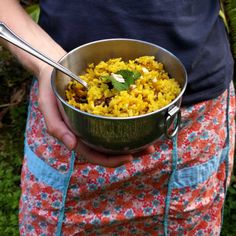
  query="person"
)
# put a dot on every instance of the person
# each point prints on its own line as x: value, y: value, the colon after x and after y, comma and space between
x: 175, y: 187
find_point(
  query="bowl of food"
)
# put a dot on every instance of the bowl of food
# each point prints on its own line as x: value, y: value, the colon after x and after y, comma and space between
x: 134, y: 94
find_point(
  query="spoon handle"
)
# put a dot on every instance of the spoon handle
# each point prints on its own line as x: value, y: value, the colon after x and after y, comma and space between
x: 11, y: 37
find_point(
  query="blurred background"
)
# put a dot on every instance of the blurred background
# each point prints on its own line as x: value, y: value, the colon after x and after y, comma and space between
x: 14, y: 89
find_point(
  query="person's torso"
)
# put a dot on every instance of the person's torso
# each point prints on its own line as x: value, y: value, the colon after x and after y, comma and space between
x: 192, y: 30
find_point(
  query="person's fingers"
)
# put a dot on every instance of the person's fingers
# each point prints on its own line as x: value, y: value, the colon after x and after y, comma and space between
x: 48, y: 106
x: 101, y: 159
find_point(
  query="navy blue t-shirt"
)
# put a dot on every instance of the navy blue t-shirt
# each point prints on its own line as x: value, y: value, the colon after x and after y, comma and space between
x: 190, y: 29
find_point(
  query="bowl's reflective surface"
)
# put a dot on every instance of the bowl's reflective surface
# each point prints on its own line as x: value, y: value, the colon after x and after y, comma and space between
x: 113, y: 134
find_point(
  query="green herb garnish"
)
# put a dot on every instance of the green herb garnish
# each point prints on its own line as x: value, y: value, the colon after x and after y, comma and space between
x: 122, y: 79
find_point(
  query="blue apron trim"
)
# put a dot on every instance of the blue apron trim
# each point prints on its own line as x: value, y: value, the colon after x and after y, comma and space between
x: 51, y: 177
x: 197, y: 174
x: 47, y: 174
x: 62, y: 210
x: 43, y: 172
x: 228, y: 137
x: 170, y: 184
x: 228, y: 143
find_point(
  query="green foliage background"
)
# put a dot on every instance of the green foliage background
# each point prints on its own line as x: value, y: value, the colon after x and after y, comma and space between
x: 14, y: 87
x: 14, y: 80
x: 230, y: 10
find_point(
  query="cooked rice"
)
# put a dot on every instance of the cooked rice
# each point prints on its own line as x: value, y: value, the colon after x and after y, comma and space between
x: 152, y: 91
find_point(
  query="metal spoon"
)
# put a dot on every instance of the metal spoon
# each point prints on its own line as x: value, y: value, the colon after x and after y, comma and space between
x: 11, y: 37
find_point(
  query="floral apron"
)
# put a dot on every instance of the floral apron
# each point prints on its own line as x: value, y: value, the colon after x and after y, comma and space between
x: 177, y: 190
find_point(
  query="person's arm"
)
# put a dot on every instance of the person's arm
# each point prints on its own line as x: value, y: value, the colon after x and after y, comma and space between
x: 15, y: 17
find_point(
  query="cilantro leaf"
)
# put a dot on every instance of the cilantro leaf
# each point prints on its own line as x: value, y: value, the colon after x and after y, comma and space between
x: 118, y: 85
x: 136, y: 75
x: 129, y: 78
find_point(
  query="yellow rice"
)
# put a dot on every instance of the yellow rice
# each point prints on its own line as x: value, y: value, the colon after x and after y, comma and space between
x: 152, y: 91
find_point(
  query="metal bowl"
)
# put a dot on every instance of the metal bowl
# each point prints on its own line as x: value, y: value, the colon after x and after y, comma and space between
x: 118, y: 135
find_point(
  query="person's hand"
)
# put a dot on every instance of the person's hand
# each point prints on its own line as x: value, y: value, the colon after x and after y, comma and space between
x: 58, y: 129
x: 48, y: 106
x: 98, y: 158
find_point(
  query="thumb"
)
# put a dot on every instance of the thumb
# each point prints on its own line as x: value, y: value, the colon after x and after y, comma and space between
x: 55, y: 125
x: 54, y: 122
